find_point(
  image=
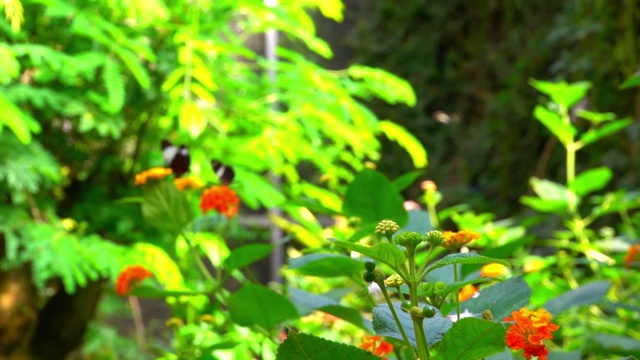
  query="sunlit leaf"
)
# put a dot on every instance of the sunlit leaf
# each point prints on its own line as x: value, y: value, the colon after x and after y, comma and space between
x: 300, y: 346
x: 592, y: 180
x: 472, y: 338
x: 384, y: 252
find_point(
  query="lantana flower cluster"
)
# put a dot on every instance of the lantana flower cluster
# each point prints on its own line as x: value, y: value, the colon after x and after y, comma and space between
x: 531, y: 328
x: 130, y: 277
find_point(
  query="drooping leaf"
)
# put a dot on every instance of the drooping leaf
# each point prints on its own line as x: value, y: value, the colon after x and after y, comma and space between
x: 405, y: 180
x: 371, y: 197
x: 300, y: 346
x: 257, y: 305
x: 384, y: 252
x: 326, y: 265
x: 472, y: 338
x: 384, y: 85
x: 405, y: 139
x: 584, y: 295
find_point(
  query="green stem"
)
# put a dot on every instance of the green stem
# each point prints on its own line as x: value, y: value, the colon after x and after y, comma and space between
x: 397, y: 319
x: 455, y: 279
x: 198, y: 259
x: 421, y: 339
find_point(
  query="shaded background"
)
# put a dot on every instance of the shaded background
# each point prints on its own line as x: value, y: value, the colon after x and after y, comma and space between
x: 470, y: 63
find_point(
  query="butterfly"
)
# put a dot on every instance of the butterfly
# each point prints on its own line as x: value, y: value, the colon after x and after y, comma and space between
x: 179, y: 160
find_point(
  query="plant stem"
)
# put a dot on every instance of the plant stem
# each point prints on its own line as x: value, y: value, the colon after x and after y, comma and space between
x: 396, y: 319
x: 421, y: 339
x: 137, y: 322
x: 455, y: 279
x: 198, y: 260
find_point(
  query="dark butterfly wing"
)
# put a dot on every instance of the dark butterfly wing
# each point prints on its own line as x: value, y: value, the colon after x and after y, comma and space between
x: 177, y: 158
x: 225, y: 173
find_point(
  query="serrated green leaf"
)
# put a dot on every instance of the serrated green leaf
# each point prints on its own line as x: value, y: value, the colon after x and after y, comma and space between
x: 472, y: 338
x: 300, y: 346
x: 371, y: 197
x: 386, y: 253
x: 501, y: 299
x: 246, y: 255
x: 326, y: 265
x: 405, y: 139
x: 465, y: 258
x: 584, y: 295
x: 257, y: 305
x: 592, y: 180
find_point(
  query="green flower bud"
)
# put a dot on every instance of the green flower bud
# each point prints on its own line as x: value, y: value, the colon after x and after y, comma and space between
x: 409, y: 239
x: 387, y: 228
x: 487, y: 315
x: 369, y: 265
x: 439, y: 287
x: 416, y: 314
x: 435, y: 237
x: 394, y: 280
x: 428, y: 312
x: 425, y: 289
x: 379, y: 276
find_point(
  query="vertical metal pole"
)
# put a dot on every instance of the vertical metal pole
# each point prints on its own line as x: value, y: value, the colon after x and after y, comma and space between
x: 277, y: 256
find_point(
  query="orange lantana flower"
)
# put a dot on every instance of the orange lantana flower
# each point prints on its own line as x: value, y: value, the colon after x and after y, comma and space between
x: 467, y: 292
x: 376, y: 345
x: 155, y: 173
x: 531, y: 328
x: 130, y: 277
x: 494, y: 270
x: 221, y: 199
x: 455, y: 240
x: 632, y: 257
x: 189, y: 182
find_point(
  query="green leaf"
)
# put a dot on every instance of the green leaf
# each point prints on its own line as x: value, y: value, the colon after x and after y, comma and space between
x: 20, y: 123
x: 113, y: 82
x: 149, y: 291
x: 9, y: 65
x: 384, y: 324
x: 595, y: 117
x: 247, y: 255
x: 472, y: 338
x: 191, y: 119
x: 326, y: 265
x: 385, y: 252
x: 134, y: 65
x: 384, y: 85
x: 541, y: 205
x: 405, y: 180
x: 552, y: 121
x: 596, y: 134
x: 502, y: 298
x: 165, y: 206
x: 631, y: 81
x: 592, y: 180
x: 618, y: 343
x: 562, y: 93
x: 419, y: 222
x: 465, y: 258
x: 307, y: 302
x: 405, y: 139
x: 584, y: 295
x: 299, y: 346
x: 549, y: 190
x: 371, y: 197
x: 258, y: 305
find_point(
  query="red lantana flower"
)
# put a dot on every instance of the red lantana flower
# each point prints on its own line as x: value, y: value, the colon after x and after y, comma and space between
x: 130, y: 277
x: 376, y: 345
x: 531, y: 328
x: 221, y: 199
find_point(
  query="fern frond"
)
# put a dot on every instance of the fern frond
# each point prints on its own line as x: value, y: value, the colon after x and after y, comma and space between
x: 114, y: 84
